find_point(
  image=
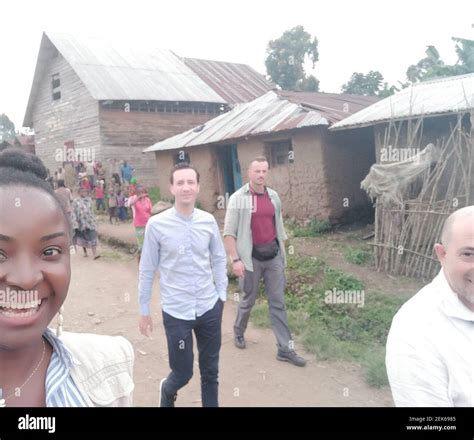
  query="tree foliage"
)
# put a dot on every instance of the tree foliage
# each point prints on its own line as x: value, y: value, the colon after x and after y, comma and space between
x: 432, y: 66
x: 7, y: 129
x: 286, y: 57
x: 371, y: 84
x: 465, y: 52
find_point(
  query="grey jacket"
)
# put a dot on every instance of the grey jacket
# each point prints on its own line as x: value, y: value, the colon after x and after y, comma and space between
x: 238, y: 223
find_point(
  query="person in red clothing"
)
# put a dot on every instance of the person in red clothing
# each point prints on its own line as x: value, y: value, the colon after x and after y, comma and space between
x: 99, y: 196
x: 254, y: 237
x: 132, y: 188
x: 141, y: 208
x: 85, y: 184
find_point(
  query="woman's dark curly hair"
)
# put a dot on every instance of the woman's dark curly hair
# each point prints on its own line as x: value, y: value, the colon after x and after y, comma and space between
x: 18, y: 168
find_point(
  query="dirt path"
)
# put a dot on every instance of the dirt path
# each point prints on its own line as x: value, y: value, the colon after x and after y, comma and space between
x: 103, y: 299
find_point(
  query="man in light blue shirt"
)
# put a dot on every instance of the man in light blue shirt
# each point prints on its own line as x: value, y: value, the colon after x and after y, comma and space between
x: 126, y: 171
x: 185, y: 245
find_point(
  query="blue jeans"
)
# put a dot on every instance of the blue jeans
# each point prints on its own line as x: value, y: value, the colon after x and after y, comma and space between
x: 122, y: 213
x: 99, y: 204
x: 179, y: 334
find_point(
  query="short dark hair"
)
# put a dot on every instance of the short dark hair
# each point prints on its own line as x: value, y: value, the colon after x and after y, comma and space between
x: 259, y: 159
x: 183, y: 166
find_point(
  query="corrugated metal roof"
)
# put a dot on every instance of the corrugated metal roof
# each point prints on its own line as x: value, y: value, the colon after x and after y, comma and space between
x: 271, y: 112
x: 236, y: 83
x: 453, y: 94
x: 112, y: 71
x: 333, y: 106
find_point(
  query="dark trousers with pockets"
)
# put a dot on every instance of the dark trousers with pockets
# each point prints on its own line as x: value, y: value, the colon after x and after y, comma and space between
x: 179, y: 333
x: 273, y: 274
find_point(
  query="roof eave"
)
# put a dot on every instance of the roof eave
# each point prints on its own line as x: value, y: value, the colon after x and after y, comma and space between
x: 401, y: 118
x: 231, y: 139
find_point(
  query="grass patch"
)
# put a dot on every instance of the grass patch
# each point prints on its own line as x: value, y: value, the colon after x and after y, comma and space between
x: 375, y: 372
x: 259, y: 316
x: 313, y: 229
x: 155, y: 194
x: 355, y: 332
x: 118, y: 244
x: 305, y: 266
x: 357, y: 255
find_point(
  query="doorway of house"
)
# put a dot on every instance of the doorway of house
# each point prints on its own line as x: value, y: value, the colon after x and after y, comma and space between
x: 230, y: 166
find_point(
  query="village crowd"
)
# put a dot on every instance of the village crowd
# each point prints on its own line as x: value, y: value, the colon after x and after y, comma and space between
x: 88, y: 188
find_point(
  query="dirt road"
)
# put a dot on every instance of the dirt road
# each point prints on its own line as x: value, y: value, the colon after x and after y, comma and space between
x: 103, y: 299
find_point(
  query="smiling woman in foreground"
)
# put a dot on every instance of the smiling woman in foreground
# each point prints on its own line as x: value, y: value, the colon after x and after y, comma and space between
x: 37, y: 366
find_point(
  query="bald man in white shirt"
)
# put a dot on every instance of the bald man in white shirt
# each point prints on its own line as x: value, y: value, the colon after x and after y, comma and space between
x: 430, y: 347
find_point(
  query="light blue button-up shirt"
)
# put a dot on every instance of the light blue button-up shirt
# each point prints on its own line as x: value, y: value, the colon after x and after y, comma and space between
x: 190, y: 256
x: 61, y: 391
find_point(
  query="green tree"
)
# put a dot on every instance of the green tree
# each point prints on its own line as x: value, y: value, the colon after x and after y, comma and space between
x: 286, y: 57
x: 465, y: 52
x: 388, y: 90
x: 309, y: 84
x: 371, y: 84
x: 7, y: 129
x: 432, y: 66
x: 427, y: 67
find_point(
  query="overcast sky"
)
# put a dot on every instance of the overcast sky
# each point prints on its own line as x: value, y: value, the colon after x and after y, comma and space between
x: 354, y: 36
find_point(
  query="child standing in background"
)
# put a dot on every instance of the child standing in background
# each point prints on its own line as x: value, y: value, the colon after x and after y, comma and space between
x: 121, y: 208
x: 85, y: 184
x: 141, y: 208
x: 99, y: 196
x: 112, y: 206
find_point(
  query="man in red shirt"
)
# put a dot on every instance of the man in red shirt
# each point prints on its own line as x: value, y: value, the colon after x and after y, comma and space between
x: 254, y: 238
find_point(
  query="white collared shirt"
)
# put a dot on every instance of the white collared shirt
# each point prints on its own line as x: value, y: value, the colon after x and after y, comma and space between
x: 190, y: 256
x: 430, y: 349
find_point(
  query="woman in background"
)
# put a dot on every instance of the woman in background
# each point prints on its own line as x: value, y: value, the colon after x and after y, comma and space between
x: 141, y: 209
x: 85, y: 229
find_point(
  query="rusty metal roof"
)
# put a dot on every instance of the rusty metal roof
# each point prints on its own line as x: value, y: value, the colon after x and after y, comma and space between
x: 112, y: 71
x: 236, y: 83
x: 441, y: 96
x: 333, y: 106
x: 272, y: 112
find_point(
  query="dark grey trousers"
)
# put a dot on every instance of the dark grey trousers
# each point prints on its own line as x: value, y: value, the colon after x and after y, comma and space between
x: 273, y: 273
